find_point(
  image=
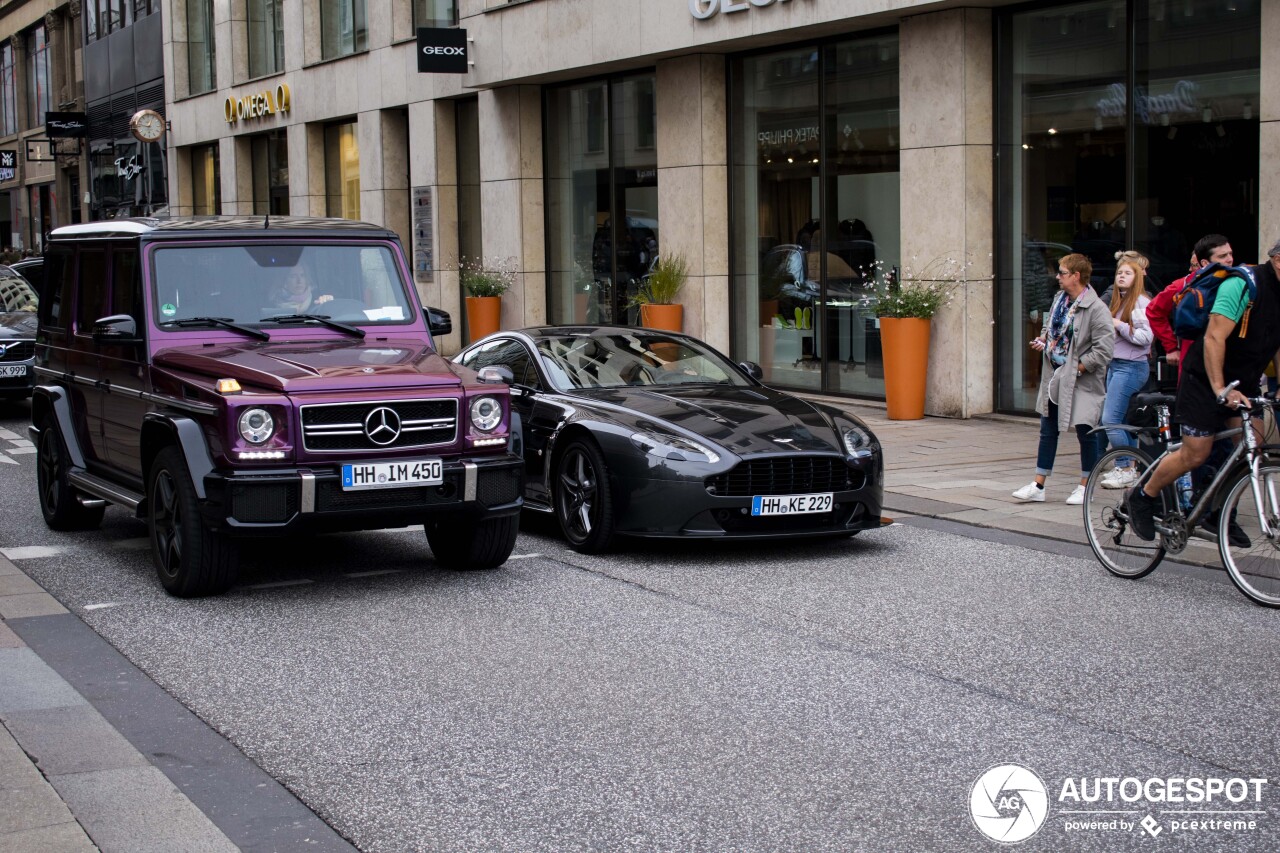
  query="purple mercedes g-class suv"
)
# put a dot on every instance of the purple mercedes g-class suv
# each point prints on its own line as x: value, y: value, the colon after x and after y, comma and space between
x: 229, y: 377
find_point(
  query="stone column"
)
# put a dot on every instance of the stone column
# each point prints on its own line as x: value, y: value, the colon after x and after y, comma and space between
x: 1269, y: 135
x: 384, y: 170
x: 235, y: 171
x: 511, y: 224
x: 306, y: 170
x: 433, y: 166
x: 947, y: 184
x: 693, y: 188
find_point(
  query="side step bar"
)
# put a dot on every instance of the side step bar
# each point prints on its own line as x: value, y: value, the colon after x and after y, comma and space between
x: 100, y: 488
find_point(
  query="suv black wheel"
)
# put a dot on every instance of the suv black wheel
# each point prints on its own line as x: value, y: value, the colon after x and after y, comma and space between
x: 59, y: 501
x: 470, y: 545
x: 583, y: 500
x: 190, y: 559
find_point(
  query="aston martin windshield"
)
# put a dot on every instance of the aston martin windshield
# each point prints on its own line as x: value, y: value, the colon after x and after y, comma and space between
x: 263, y: 284
x: 633, y: 359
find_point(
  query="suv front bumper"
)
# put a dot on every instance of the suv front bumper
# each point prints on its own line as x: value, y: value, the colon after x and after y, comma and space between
x: 269, y: 502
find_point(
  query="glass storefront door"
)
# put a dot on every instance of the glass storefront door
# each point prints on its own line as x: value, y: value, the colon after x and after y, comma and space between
x: 815, y: 183
x: 1113, y: 137
x: 602, y: 197
x: 271, y: 173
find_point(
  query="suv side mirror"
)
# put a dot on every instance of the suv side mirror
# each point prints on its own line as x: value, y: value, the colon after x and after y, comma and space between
x: 116, y: 329
x: 438, y: 321
x: 753, y: 370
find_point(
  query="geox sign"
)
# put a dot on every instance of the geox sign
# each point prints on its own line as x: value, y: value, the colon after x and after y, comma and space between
x: 703, y: 9
x: 442, y: 50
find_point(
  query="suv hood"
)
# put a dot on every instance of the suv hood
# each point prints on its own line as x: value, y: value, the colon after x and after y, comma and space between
x: 315, y: 365
x: 17, y: 325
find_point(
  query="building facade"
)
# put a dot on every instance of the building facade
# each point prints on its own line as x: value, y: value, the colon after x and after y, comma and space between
x: 792, y: 151
x: 40, y: 62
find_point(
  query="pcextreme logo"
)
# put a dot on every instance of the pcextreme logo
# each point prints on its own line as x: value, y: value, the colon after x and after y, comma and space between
x: 1010, y: 803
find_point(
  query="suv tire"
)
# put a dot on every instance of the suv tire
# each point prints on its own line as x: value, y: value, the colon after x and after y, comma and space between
x: 59, y: 500
x: 191, y: 560
x: 473, y: 545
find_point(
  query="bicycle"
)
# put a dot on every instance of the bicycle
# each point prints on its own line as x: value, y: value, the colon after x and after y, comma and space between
x: 1252, y: 499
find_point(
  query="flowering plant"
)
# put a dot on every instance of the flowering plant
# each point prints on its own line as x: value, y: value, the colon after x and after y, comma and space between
x: 487, y: 278
x: 914, y: 294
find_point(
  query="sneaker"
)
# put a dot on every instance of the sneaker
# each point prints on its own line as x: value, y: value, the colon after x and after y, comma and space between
x: 1119, y: 478
x: 1077, y: 496
x: 1030, y: 492
x: 1235, y: 533
x: 1142, y: 514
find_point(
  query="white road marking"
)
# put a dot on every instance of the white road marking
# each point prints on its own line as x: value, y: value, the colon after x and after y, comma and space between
x: 21, y: 451
x: 4, y: 433
x: 523, y: 556
x: 374, y: 573
x: 7, y: 461
x: 102, y: 606
x: 302, y: 582
x: 32, y: 552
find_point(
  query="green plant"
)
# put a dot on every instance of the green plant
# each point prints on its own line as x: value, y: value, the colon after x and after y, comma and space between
x: 481, y: 278
x: 663, y: 282
x: 915, y: 294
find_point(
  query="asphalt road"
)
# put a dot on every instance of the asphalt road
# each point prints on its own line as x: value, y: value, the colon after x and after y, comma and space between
x: 799, y: 696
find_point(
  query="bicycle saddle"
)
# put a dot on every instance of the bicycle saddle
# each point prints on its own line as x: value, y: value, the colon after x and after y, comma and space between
x: 1154, y: 399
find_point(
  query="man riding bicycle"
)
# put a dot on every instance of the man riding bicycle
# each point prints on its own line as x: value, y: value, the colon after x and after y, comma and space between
x: 1228, y: 352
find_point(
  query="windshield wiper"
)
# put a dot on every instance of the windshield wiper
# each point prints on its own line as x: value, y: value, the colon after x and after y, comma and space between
x: 224, y: 322
x: 322, y: 319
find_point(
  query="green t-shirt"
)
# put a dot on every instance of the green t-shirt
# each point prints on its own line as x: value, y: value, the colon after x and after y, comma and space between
x: 1231, y: 300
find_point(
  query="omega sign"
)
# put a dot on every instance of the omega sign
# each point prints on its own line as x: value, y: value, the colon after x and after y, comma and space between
x: 703, y: 9
x: 265, y: 103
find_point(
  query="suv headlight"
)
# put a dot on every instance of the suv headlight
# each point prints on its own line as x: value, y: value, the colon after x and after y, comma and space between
x: 486, y: 413
x: 256, y: 425
x: 859, y: 443
x: 673, y: 447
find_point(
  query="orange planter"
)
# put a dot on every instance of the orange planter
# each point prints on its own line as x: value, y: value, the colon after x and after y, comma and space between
x: 668, y: 318
x: 905, y: 344
x: 484, y: 316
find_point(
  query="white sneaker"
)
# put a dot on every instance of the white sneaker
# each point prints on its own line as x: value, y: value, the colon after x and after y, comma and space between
x: 1030, y: 492
x: 1119, y: 478
x: 1077, y: 496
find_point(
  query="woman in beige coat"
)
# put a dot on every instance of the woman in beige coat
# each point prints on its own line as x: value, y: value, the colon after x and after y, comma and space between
x: 1076, y: 345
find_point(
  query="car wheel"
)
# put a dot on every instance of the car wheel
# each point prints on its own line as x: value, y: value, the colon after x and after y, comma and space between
x: 190, y: 559
x: 476, y: 545
x: 59, y: 501
x: 583, y: 501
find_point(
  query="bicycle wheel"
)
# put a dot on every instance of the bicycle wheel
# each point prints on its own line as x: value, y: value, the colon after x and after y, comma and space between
x: 1107, y: 524
x: 1255, y: 568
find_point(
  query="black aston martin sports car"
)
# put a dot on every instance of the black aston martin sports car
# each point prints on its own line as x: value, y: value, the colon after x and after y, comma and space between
x: 647, y: 433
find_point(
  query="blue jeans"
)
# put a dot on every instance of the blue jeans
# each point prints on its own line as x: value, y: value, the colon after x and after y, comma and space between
x: 1124, y: 379
x: 1090, y: 445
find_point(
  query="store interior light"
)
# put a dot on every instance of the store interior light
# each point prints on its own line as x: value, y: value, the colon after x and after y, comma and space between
x: 1026, y: 147
x: 1052, y: 131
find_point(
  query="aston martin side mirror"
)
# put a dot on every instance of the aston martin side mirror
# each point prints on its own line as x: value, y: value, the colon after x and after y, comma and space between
x: 753, y: 370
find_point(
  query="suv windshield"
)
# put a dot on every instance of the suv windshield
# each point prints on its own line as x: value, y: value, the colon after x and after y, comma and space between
x: 253, y: 284
x: 17, y: 294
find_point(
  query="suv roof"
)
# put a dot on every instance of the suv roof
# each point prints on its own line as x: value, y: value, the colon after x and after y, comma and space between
x: 181, y: 227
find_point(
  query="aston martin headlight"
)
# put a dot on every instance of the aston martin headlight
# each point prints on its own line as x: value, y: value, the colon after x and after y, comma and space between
x: 256, y: 425
x: 673, y: 447
x: 859, y: 443
x: 486, y: 413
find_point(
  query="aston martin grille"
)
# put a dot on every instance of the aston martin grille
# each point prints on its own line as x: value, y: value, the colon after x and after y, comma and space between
x: 786, y: 475
x: 387, y: 425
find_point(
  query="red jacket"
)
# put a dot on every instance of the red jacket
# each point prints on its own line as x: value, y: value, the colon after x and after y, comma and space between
x: 1159, y: 314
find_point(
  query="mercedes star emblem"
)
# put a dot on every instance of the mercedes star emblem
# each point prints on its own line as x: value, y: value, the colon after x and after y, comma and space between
x: 3, y: 349
x: 382, y: 425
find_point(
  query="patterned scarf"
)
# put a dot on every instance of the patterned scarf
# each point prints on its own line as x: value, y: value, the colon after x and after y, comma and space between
x: 1061, y: 328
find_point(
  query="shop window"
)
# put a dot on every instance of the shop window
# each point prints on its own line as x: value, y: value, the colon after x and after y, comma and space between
x: 343, y: 27
x: 271, y: 173
x: 816, y: 215
x: 38, y: 76
x: 601, y: 197
x: 8, y: 90
x: 266, y: 37
x: 201, y: 59
x: 342, y: 170
x: 1146, y: 138
x: 435, y: 13
x: 206, y: 184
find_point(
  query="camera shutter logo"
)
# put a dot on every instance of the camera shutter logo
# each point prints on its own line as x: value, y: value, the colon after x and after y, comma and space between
x: 1009, y: 803
x: 382, y: 425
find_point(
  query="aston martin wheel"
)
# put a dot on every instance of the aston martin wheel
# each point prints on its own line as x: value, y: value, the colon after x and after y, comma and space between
x: 583, y: 502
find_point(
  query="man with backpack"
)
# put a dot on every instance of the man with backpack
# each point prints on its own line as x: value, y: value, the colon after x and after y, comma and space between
x: 1240, y: 335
